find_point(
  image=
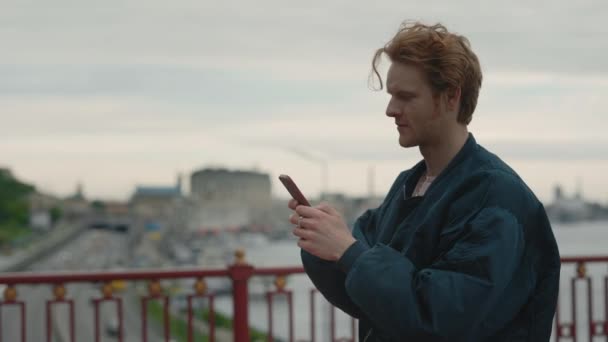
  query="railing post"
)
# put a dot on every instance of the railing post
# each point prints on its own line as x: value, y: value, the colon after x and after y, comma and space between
x: 240, y: 272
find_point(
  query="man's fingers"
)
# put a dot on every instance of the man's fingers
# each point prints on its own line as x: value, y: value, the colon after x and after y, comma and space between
x: 293, y: 218
x: 328, y: 209
x: 311, y: 212
x: 292, y: 204
x: 303, y: 222
x: 300, y: 221
x: 304, y: 244
x: 303, y: 233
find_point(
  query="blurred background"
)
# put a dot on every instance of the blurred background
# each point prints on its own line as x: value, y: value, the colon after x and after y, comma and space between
x: 156, y: 131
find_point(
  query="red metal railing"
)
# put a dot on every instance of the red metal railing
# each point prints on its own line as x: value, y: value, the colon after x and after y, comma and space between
x: 240, y: 274
x: 579, y: 273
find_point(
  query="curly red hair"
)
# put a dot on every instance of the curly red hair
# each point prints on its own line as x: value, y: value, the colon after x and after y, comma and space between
x: 446, y: 58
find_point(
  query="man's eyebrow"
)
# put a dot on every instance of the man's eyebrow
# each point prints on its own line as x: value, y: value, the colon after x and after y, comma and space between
x: 400, y: 92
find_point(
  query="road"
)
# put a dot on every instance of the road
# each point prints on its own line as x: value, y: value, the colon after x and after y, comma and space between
x: 92, y: 250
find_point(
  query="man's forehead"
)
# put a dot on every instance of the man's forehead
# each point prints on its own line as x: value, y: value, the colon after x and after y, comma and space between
x: 395, y: 85
x: 401, y: 77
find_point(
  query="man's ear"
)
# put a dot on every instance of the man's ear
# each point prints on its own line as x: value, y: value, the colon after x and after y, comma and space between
x: 453, y: 98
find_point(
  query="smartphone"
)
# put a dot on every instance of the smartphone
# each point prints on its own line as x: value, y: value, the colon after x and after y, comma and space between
x: 293, y: 190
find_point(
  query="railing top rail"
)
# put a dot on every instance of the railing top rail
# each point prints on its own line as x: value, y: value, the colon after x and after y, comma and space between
x: 144, y: 274
x: 577, y: 259
x: 103, y: 276
x: 278, y: 270
x: 148, y: 274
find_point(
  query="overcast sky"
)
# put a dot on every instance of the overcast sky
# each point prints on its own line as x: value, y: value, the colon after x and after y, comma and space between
x: 118, y: 93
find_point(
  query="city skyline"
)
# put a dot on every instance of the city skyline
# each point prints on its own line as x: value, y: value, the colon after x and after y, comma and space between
x: 182, y: 182
x: 114, y: 95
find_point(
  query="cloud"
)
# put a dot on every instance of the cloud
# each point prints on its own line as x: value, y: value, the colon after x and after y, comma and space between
x: 518, y: 35
x: 158, y: 87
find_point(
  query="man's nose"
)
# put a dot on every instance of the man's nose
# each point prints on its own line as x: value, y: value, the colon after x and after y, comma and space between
x: 392, y: 110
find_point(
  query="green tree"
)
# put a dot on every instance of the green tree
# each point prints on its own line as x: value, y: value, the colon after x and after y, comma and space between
x: 98, y: 205
x: 14, y: 207
x: 55, y: 214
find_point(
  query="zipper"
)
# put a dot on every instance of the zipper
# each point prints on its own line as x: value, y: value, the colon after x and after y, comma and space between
x: 369, y: 333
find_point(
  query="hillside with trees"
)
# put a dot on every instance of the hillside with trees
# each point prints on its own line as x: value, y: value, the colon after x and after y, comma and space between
x: 14, y: 207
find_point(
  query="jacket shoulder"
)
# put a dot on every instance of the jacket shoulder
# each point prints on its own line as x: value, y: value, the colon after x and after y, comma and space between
x: 487, y: 182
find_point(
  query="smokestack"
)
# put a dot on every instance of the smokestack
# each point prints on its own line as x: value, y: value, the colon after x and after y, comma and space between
x: 370, y: 181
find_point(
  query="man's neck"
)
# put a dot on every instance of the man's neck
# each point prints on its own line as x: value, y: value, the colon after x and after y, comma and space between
x: 439, y: 154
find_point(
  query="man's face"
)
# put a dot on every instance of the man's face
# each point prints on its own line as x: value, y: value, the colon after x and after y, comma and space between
x: 412, y: 105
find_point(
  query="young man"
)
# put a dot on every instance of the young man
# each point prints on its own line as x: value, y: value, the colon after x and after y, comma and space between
x: 460, y: 249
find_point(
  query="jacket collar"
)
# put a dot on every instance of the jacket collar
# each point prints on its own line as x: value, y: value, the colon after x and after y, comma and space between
x: 467, y: 149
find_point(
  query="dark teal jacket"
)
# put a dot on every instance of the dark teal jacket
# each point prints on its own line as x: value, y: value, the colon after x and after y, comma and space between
x: 474, y: 259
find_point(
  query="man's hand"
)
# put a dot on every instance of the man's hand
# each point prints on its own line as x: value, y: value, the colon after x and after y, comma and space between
x: 322, y: 230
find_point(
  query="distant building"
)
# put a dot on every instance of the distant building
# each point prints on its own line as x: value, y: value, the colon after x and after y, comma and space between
x: 222, y: 185
x: 40, y: 206
x: 76, y: 205
x: 351, y: 207
x: 225, y: 198
x: 155, y: 201
x: 41, y: 220
x: 568, y: 209
x: 42, y: 202
x: 117, y: 208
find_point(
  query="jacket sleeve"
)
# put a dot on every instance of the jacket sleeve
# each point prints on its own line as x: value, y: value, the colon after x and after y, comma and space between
x: 330, y: 277
x: 454, y: 293
x: 327, y: 276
